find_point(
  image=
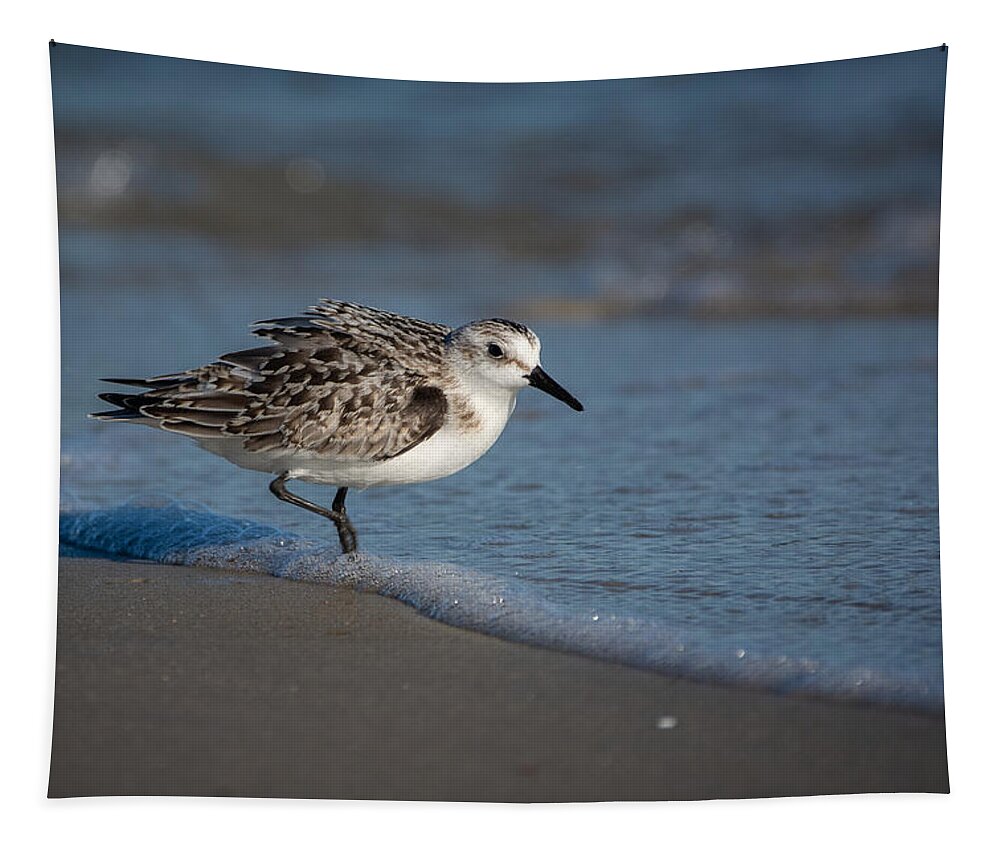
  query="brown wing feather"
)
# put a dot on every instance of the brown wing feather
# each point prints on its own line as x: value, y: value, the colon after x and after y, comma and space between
x: 341, y: 380
x: 424, y: 415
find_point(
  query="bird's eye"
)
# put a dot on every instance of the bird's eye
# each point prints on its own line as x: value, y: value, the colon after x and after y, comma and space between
x: 494, y: 351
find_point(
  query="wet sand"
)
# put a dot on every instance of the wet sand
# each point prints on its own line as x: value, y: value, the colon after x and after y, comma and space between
x: 188, y: 681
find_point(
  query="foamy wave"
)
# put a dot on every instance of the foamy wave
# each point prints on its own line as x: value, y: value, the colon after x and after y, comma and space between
x: 182, y: 534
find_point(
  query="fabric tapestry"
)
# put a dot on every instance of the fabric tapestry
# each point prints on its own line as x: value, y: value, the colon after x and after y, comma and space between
x: 311, y: 548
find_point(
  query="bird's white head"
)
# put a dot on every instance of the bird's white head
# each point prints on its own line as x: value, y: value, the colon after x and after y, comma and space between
x: 500, y: 355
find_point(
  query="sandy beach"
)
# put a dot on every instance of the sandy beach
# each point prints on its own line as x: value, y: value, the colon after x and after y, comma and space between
x: 186, y: 681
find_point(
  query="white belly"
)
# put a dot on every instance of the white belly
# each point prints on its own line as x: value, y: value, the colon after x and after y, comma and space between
x: 445, y: 452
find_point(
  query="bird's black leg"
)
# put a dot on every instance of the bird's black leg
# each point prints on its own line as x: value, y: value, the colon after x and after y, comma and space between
x: 345, y: 529
x: 348, y: 537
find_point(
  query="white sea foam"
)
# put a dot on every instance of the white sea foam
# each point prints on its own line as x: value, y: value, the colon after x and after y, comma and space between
x: 183, y: 534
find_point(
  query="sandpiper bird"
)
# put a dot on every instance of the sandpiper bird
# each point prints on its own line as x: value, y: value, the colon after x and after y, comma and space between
x: 350, y: 396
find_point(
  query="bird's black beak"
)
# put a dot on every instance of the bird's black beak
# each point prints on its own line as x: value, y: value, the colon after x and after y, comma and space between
x: 539, y: 378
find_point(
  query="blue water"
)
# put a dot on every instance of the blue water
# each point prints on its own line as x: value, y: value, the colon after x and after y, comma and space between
x: 812, y: 185
x: 771, y: 142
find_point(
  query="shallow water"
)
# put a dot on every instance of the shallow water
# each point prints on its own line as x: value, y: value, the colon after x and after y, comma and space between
x: 761, y: 495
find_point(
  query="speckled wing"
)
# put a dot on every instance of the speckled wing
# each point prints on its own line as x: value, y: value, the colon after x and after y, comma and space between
x: 344, y: 380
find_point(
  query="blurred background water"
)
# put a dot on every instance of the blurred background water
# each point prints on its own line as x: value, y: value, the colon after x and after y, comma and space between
x: 735, y: 272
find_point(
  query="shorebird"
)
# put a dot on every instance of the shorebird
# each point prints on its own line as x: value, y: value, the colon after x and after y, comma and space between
x: 349, y: 396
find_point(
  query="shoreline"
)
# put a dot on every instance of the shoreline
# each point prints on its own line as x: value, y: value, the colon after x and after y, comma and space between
x: 192, y: 681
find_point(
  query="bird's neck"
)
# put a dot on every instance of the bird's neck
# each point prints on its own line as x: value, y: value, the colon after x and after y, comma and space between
x: 483, y: 405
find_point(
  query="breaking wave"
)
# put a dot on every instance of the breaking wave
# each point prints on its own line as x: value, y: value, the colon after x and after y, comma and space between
x: 178, y: 533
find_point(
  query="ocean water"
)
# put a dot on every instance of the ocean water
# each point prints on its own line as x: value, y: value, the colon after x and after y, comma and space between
x: 774, y: 141
x: 812, y: 187
x: 752, y: 501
